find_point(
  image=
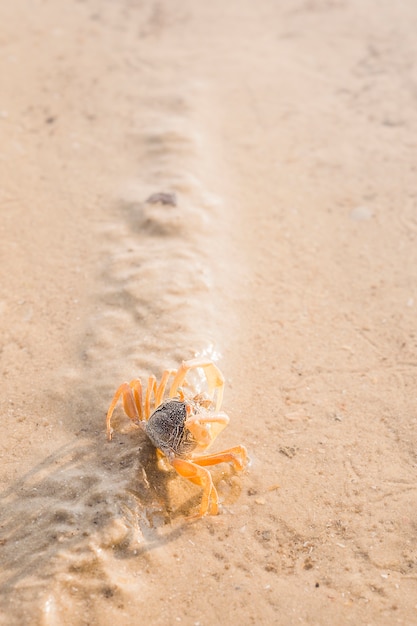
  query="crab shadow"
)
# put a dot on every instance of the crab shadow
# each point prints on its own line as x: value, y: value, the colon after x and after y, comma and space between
x: 84, y: 507
x: 65, y: 505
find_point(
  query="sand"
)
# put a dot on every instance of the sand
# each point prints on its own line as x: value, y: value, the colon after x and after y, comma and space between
x: 285, y: 134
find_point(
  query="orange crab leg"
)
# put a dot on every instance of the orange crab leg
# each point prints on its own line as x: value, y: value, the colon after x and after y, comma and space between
x: 132, y: 403
x: 162, y: 386
x: 236, y: 455
x: 150, y: 389
x: 136, y: 386
x: 201, y: 477
x: 214, y: 378
x: 205, y: 428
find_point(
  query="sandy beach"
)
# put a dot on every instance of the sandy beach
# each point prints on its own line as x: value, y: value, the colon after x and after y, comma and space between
x: 282, y: 137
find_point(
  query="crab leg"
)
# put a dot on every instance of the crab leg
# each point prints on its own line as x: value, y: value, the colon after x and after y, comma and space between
x: 236, y: 455
x: 214, y: 378
x: 205, y: 428
x: 150, y: 389
x: 136, y: 387
x: 201, y: 477
x: 162, y: 386
x: 132, y: 403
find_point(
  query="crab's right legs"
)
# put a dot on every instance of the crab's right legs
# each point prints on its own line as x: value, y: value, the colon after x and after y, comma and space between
x: 160, y: 390
x: 151, y: 389
x: 131, y: 394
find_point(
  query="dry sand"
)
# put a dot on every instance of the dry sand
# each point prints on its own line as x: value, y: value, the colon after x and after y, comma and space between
x: 287, y: 131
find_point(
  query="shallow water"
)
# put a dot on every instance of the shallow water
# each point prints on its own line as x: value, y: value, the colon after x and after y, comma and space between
x: 85, y: 522
x: 268, y: 143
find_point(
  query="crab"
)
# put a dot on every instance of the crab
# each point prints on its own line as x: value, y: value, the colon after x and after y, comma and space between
x: 184, y: 425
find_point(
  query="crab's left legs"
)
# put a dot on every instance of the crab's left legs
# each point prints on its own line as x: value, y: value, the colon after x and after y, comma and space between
x: 237, y: 455
x: 214, y: 378
x: 202, y: 477
x: 205, y: 428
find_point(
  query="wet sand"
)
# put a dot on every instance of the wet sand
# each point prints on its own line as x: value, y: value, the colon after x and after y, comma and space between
x: 285, y: 136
